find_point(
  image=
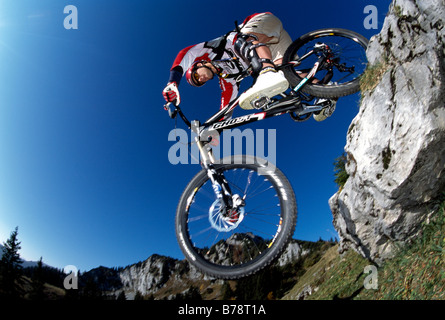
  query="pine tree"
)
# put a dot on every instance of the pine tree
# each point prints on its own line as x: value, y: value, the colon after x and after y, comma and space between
x: 121, y: 296
x: 340, y: 170
x: 11, y: 267
x: 38, y: 282
x: 138, y: 296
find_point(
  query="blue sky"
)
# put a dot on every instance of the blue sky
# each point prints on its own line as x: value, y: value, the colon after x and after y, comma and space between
x: 84, y: 169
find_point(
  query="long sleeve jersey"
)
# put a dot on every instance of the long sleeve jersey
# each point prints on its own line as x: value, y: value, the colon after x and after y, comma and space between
x: 221, y: 53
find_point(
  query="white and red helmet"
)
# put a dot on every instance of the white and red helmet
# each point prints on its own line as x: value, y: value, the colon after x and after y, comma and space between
x: 191, y: 75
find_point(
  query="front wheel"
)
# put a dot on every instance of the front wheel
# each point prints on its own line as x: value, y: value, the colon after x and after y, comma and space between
x: 343, y: 66
x: 236, y: 242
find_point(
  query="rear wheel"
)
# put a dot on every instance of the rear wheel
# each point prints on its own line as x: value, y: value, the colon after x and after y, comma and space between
x: 346, y: 63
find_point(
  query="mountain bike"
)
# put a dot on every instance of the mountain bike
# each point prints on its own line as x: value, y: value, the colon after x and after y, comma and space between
x: 238, y: 214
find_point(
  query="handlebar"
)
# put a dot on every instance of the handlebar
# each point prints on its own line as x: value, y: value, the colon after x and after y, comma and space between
x: 177, y: 110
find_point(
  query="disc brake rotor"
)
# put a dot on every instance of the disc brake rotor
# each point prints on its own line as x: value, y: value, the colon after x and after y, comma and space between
x: 225, y: 220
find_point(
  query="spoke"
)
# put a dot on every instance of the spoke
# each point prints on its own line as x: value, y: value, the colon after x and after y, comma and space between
x: 207, y: 227
x: 258, y: 193
x: 201, y: 232
x: 250, y: 229
x: 257, y: 211
x: 262, y: 220
x: 204, y: 216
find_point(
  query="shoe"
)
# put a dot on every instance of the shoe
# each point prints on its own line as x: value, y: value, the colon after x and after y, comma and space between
x: 327, y: 111
x: 268, y: 84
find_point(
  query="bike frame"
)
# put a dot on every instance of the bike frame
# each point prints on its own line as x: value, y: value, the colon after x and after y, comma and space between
x: 289, y: 103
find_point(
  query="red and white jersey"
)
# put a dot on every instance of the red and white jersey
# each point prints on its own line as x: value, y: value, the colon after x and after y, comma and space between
x: 221, y: 52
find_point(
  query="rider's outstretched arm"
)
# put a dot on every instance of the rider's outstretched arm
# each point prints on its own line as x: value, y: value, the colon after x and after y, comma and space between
x: 184, y: 59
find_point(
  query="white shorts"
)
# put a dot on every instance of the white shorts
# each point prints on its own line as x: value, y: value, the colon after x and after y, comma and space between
x: 271, y: 26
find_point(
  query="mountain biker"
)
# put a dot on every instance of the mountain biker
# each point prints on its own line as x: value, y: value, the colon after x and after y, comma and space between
x: 261, y: 45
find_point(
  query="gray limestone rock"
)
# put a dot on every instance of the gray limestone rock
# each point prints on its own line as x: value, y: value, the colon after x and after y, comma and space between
x: 396, y: 144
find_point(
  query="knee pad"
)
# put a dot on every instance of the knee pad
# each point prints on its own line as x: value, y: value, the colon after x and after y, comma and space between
x: 246, y: 49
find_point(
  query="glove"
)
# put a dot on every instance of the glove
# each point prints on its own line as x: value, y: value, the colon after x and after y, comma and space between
x: 171, y: 93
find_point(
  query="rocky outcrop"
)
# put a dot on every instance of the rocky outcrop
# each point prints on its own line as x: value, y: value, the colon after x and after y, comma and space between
x: 292, y: 253
x: 396, y: 144
x: 165, y: 277
x: 149, y: 276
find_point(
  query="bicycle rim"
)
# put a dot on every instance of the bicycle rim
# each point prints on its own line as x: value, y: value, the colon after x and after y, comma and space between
x: 235, y: 244
x: 348, y: 49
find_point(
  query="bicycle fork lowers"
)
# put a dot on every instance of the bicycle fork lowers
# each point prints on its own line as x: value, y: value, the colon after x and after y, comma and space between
x: 229, y: 204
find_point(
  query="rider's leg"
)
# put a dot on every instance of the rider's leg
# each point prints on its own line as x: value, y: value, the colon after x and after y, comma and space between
x: 270, y: 41
x: 263, y: 51
x: 268, y: 81
x: 265, y: 28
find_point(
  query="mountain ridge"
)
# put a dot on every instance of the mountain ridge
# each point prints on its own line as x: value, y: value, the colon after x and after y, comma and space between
x: 161, y: 277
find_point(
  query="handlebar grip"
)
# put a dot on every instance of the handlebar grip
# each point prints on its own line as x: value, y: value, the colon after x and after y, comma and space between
x: 171, y: 114
x: 174, y: 113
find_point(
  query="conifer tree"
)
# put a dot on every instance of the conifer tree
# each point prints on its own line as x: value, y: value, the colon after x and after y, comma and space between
x: 38, y: 282
x: 341, y: 176
x: 11, y: 267
x: 121, y: 296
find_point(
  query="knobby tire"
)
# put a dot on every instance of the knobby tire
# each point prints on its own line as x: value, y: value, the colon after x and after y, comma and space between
x: 287, y: 215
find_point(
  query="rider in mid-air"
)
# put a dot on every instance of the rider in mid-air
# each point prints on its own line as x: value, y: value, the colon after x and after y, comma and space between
x: 261, y: 46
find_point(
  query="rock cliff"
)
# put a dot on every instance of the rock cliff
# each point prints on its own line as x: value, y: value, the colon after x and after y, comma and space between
x: 164, y: 277
x: 396, y: 144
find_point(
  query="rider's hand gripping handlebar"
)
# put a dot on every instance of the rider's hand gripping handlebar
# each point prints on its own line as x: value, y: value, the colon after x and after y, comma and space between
x: 171, y: 114
x: 175, y: 112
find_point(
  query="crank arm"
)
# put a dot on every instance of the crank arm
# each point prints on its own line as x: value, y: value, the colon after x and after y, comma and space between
x: 309, y: 109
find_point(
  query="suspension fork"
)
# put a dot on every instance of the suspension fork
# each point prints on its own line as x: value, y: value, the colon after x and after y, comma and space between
x: 219, y: 183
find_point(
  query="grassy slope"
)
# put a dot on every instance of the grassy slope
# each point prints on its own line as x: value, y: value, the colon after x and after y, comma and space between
x: 416, y: 272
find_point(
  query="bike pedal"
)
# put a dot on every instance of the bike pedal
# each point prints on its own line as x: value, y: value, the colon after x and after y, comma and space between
x: 260, y: 103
